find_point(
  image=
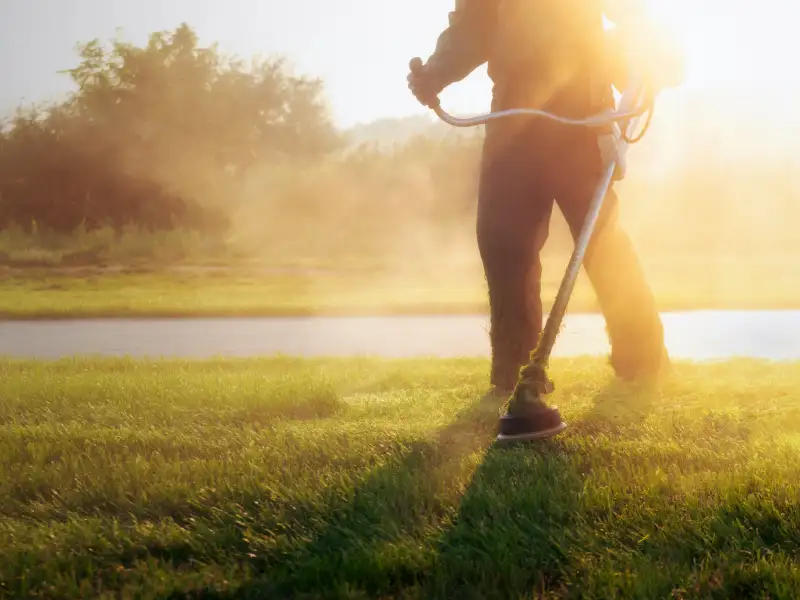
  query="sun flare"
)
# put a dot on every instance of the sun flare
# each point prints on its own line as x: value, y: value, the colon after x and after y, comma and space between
x: 741, y: 43
x: 737, y: 54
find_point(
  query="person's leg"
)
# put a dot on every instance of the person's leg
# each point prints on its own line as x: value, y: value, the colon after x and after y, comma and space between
x: 634, y: 326
x: 512, y: 226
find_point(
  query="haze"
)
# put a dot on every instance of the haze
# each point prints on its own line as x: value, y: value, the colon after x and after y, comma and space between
x: 361, y: 47
x: 735, y: 114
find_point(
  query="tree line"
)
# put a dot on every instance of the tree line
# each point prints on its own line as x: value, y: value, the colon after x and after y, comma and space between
x: 159, y: 136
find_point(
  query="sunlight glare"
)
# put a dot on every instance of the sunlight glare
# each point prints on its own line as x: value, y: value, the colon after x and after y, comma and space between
x: 734, y: 46
x: 727, y: 42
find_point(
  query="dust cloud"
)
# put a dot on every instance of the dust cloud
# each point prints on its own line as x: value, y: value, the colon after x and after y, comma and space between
x: 710, y: 200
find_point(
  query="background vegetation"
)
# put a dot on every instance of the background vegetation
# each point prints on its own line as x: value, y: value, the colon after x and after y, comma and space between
x: 173, y: 153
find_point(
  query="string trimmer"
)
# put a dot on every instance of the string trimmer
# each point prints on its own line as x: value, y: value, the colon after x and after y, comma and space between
x: 528, y: 418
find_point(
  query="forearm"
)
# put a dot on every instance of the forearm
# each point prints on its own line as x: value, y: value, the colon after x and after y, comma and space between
x: 466, y: 43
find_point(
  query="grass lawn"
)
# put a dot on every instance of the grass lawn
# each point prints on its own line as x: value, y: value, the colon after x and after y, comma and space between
x: 284, y: 478
x: 227, y: 293
x: 679, y: 284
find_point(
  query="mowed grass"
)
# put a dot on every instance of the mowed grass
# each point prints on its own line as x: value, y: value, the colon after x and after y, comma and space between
x: 679, y: 284
x: 283, y: 478
x: 234, y: 292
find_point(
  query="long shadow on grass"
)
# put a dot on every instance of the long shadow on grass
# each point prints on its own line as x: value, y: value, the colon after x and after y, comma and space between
x: 455, y: 517
x: 449, y: 516
x: 512, y: 531
x: 402, y: 533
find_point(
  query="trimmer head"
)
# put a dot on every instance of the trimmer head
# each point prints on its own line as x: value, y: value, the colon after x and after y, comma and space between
x: 528, y: 417
x: 537, y: 425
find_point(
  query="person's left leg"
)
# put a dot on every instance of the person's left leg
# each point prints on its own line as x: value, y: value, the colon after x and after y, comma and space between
x: 512, y: 226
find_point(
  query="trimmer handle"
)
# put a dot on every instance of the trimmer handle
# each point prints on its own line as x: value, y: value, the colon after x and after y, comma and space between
x: 632, y: 105
x: 415, y: 65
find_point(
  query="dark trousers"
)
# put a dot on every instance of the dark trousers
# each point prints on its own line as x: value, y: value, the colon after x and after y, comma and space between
x: 528, y: 165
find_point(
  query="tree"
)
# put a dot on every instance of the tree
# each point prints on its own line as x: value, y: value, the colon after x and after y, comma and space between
x: 157, y: 135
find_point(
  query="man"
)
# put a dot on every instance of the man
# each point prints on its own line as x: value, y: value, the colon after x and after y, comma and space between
x: 556, y: 56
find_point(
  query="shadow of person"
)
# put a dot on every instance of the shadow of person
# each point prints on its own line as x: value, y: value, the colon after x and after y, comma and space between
x: 405, y: 531
x: 449, y: 515
x: 370, y: 545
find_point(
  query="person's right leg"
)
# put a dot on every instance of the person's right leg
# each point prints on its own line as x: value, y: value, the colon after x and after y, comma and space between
x: 633, y: 322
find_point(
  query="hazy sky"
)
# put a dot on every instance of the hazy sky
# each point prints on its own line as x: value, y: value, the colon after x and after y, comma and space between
x: 360, y: 48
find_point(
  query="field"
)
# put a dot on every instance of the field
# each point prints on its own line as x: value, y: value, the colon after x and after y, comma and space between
x: 281, y: 478
x: 766, y: 282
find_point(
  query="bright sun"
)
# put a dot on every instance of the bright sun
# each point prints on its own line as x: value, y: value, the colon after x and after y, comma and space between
x: 734, y: 42
x: 738, y: 55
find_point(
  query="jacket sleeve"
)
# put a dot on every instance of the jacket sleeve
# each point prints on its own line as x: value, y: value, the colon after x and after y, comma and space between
x: 466, y: 43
